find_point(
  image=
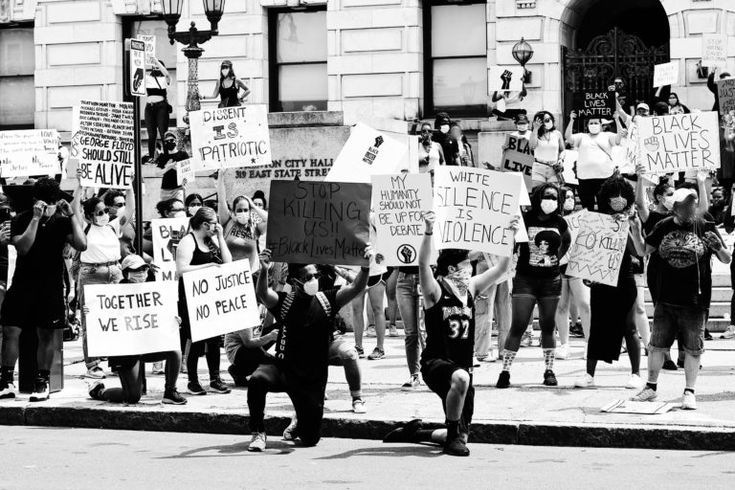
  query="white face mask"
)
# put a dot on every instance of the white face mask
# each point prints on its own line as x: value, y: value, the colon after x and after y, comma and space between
x: 193, y: 210
x: 522, y: 128
x: 668, y: 202
x: 311, y: 287
x: 120, y: 212
x: 444, y: 128
x: 225, y: 72
x: 548, y: 206
x: 102, y: 220
x: 569, y: 204
x: 138, y: 277
x: 595, y: 128
x: 549, y: 125
x: 242, y: 217
x: 618, y: 203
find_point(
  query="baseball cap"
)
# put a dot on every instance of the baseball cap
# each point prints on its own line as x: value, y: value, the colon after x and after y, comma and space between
x: 642, y: 105
x: 522, y: 119
x: 133, y: 262
x: 681, y: 195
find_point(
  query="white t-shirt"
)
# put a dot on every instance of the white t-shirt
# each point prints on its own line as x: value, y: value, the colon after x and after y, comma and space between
x: 103, y: 244
x: 595, y: 155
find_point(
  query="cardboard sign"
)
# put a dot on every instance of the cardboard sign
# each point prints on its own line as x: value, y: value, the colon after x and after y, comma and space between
x: 570, y: 161
x: 595, y: 104
x: 221, y: 299
x: 103, y: 142
x: 166, y: 234
x: 185, y: 172
x: 29, y: 152
x: 136, y: 69
x: 726, y: 92
x: 518, y: 157
x: 474, y: 208
x: 230, y: 137
x: 150, y: 48
x: 574, y: 225
x: 399, y: 201
x: 505, y: 78
x: 367, y: 152
x: 714, y: 51
x: 132, y: 319
x: 666, y: 74
x: 319, y: 222
x: 597, y: 252
x: 679, y: 142
x: 631, y: 145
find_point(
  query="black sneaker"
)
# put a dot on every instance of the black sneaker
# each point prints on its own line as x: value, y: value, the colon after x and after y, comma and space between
x: 503, y: 380
x: 456, y: 447
x: 219, y: 386
x: 360, y: 352
x: 550, y: 378
x: 194, y: 388
x: 172, y: 397
x: 240, y: 381
x: 40, y: 390
x: 576, y: 331
x: 670, y: 365
x: 7, y: 390
x: 376, y: 354
x: 707, y: 335
x: 680, y: 364
x: 404, y: 433
x: 95, y: 390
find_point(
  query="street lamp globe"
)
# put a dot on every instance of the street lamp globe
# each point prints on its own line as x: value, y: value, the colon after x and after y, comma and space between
x: 214, y: 10
x: 522, y: 52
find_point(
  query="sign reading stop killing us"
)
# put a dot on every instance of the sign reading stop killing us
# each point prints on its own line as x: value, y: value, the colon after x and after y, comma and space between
x: 230, y: 137
x: 318, y: 222
x: 103, y: 141
x: 474, y: 208
x: 132, y: 319
x: 29, y: 152
x: 166, y: 234
x: 220, y: 299
x: 597, y: 252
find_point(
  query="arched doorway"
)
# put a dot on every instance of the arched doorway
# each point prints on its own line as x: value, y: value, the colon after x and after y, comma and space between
x: 603, y: 39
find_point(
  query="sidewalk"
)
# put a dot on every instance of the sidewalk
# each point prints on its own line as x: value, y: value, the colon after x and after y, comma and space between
x: 528, y: 413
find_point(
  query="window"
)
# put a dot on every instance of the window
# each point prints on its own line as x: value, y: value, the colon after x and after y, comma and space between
x: 455, y: 58
x: 298, y: 60
x: 17, y: 64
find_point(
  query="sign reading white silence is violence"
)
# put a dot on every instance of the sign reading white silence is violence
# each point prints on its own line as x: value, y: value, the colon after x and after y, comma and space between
x: 29, y: 152
x: 132, y: 319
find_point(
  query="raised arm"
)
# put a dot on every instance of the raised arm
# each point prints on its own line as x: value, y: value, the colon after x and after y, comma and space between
x: 222, y: 205
x: 429, y: 286
x: 641, y: 198
x: 350, y: 292
x: 265, y: 294
x: 568, y: 133
x: 703, y: 193
x: 24, y: 242
x: 224, y: 249
x: 480, y: 283
x: 78, y: 238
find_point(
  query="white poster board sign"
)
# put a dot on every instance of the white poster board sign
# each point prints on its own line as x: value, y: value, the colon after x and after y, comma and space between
x: 666, y: 74
x: 505, y: 78
x: 367, y: 152
x: 150, y: 48
x: 166, y: 234
x: 29, y: 152
x: 714, y: 50
x: 185, y: 172
x: 574, y: 224
x: 597, y: 252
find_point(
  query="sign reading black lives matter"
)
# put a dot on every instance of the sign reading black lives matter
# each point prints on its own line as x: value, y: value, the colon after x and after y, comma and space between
x: 103, y: 141
x: 591, y: 104
x: 319, y: 222
x: 230, y: 137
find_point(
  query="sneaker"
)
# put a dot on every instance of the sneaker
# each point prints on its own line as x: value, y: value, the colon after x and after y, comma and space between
x: 95, y: 390
x: 172, y: 397
x: 158, y: 368
x: 635, y: 382
x: 550, y: 378
x: 689, y: 402
x: 456, y: 447
x: 527, y: 339
x: 370, y: 332
x: 562, y: 352
x: 404, y: 433
x: 729, y: 333
x: 576, y: 331
x: 669, y: 365
x: 95, y: 373
x: 257, y: 443
x: 219, y: 386
x: 376, y: 355
x: 707, y: 335
x: 360, y: 352
x: 392, y: 331
x: 358, y: 406
x: 680, y: 364
x: 7, y: 390
x: 40, y: 390
x: 413, y: 382
x: 289, y: 433
x: 194, y: 388
x: 503, y: 380
x: 585, y: 381
x: 646, y: 395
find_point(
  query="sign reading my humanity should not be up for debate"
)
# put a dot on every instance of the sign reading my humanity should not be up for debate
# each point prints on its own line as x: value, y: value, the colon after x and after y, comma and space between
x: 597, y: 252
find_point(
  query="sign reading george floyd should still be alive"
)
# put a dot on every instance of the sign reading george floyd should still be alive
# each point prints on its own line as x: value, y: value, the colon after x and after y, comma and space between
x: 230, y: 137
x: 319, y: 222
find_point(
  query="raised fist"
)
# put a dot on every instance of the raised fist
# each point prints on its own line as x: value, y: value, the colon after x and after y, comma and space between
x: 506, y: 78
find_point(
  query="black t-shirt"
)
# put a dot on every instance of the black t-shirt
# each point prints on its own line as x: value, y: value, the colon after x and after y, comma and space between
x: 43, y: 265
x: 450, y: 329
x: 170, y: 178
x: 540, y: 256
x: 654, y: 217
x: 684, y: 274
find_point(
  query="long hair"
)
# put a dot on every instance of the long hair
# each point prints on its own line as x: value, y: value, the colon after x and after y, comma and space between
x: 542, y: 114
x: 232, y: 75
x: 612, y: 187
x: 538, y: 193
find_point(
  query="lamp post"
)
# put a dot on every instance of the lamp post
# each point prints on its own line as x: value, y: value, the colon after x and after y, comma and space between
x: 523, y: 52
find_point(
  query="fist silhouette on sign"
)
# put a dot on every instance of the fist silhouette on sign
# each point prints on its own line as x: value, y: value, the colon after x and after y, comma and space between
x: 506, y: 78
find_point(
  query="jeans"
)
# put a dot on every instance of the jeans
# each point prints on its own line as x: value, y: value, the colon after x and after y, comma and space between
x: 156, y: 122
x: 92, y: 274
x: 407, y: 295
x: 496, y: 299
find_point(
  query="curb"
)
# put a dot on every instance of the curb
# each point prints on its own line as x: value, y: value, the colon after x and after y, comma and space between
x: 521, y: 433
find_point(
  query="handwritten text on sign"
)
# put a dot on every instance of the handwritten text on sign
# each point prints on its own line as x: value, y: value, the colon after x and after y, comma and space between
x: 597, y: 252
x: 399, y: 201
x: 220, y: 300
x: 518, y: 157
x: 102, y: 142
x: 726, y: 91
x: 679, y: 142
x: 474, y: 208
x: 231, y: 137
x: 132, y: 319
x: 319, y: 222
x: 166, y: 234
x: 29, y: 152
x: 714, y: 50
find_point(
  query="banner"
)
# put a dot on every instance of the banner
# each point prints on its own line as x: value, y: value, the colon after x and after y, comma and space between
x: 518, y: 157
x: 220, y: 299
x: 666, y: 74
x: 399, y: 201
x: 166, y: 234
x: 474, y: 208
x: 103, y: 141
x: 319, y: 222
x: 29, y: 152
x: 230, y: 137
x: 597, y: 252
x: 367, y: 152
x: 505, y: 78
x: 726, y: 92
x: 594, y: 104
x: 679, y: 142
x: 132, y: 319
x: 714, y: 51
x: 185, y: 172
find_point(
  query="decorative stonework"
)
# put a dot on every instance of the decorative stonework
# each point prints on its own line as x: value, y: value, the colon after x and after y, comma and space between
x: 526, y: 4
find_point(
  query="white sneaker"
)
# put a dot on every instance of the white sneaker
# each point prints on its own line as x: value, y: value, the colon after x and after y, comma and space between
x: 358, y: 406
x: 257, y: 443
x: 646, y: 395
x: 392, y: 331
x: 585, y: 381
x: 95, y: 372
x: 729, y: 333
x: 8, y: 391
x: 689, y: 402
x: 158, y: 368
x: 562, y: 352
x: 635, y: 382
x: 413, y: 382
x: 289, y: 434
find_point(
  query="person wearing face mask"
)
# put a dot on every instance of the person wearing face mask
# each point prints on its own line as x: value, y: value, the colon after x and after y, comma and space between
x: 464, y: 157
x: 675, y: 105
x: 302, y: 350
x: 547, y: 144
x: 538, y: 279
x: 169, y: 208
x: 170, y: 188
x: 595, y: 163
x: 193, y: 203
x: 685, y: 243
x: 229, y: 87
x: 450, y: 146
x: 260, y: 202
x: 717, y: 206
x: 40, y: 236
x: 431, y: 154
x: 120, y: 204
x: 611, y: 306
x: 204, y: 246
x: 157, y: 107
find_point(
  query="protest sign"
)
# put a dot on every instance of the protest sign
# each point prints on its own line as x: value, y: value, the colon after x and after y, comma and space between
x: 474, y: 208
x: 593, y: 104
x: 399, y: 201
x: 367, y: 152
x: 679, y: 142
x: 185, y: 172
x: 132, y: 319
x: 726, y: 92
x: 103, y: 141
x: 220, y: 300
x: 230, y: 137
x: 166, y: 234
x: 518, y: 157
x: 630, y: 157
x: 29, y: 152
x: 597, y: 252
x: 150, y: 48
x: 714, y: 51
x: 319, y: 222
x: 666, y: 74
x: 570, y: 162
x: 505, y: 78
x: 573, y: 222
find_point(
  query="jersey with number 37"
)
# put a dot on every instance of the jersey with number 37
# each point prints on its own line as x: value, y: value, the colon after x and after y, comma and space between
x: 450, y: 330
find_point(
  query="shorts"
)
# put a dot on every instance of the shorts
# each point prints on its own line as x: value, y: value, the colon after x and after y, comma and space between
x: 437, y: 374
x: 378, y: 278
x: 24, y: 308
x: 543, y: 174
x: 537, y: 287
x: 683, y: 322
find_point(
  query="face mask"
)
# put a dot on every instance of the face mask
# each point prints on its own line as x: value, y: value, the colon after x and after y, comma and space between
x: 311, y: 287
x: 242, y: 217
x: 193, y: 209
x: 102, y: 220
x: 595, y: 128
x: 225, y: 72
x: 548, y: 206
x: 618, y: 203
x: 179, y: 214
x: 50, y: 210
x: 549, y: 125
x: 120, y: 211
x: 169, y: 145
x: 444, y: 128
x: 137, y: 277
x: 569, y: 205
x: 460, y: 279
x: 668, y: 202
x: 522, y: 128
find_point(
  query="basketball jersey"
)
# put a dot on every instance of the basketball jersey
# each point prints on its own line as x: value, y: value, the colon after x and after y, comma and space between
x: 450, y: 329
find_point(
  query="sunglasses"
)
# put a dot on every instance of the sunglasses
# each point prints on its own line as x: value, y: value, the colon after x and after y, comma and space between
x: 309, y: 277
x: 547, y: 120
x: 169, y: 141
x: 102, y: 212
x: 118, y: 205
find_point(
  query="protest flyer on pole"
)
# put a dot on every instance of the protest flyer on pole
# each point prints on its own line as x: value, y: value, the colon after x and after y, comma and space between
x: 319, y: 222
x: 103, y: 139
x: 505, y: 78
x: 679, y: 142
x: 220, y: 299
x: 29, y: 152
x: 597, y: 252
x: 132, y: 319
x: 714, y: 50
x: 666, y: 74
x: 726, y: 92
x: 474, y: 208
x: 399, y: 201
x: 518, y: 157
x: 166, y: 234
x: 593, y: 104
x: 185, y: 172
x: 367, y: 152
x: 230, y: 137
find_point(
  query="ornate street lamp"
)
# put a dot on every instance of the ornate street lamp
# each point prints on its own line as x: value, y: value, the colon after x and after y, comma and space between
x: 523, y: 52
x: 191, y: 40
